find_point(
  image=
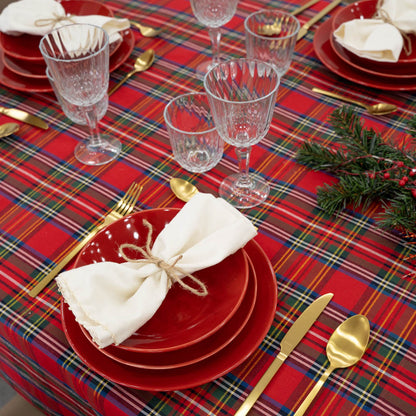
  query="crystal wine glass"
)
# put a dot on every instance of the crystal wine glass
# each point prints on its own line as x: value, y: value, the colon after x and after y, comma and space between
x: 242, y: 95
x: 77, y: 57
x: 213, y: 14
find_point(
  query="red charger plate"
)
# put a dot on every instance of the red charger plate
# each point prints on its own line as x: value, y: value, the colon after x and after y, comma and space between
x: 329, y: 58
x: 183, y: 318
x: 201, y: 372
x: 196, y: 352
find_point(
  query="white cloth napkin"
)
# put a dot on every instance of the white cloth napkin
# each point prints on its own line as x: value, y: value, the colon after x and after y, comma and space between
x: 38, y: 17
x: 375, y: 38
x: 113, y: 300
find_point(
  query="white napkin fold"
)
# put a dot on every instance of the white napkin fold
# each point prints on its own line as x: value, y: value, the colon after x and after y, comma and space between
x: 378, y: 39
x: 38, y: 17
x: 113, y: 300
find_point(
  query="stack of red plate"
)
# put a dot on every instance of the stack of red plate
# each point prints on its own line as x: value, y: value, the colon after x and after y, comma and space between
x: 384, y: 75
x: 190, y: 340
x: 22, y: 66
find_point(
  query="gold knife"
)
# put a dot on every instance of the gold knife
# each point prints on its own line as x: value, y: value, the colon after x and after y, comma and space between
x: 304, y: 29
x: 292, y: 338
x: 23, y: 116
x: 304, y: 7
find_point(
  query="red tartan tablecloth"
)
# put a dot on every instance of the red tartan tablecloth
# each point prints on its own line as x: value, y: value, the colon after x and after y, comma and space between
x: 48, y: 201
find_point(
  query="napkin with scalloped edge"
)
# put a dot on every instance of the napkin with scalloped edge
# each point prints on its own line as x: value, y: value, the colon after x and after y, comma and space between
x: 375, y: 38
x: 38, y: 17
x: 113, y: 300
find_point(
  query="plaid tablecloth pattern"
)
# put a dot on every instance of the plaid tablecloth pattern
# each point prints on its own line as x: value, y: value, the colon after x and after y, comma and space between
x: 49, y: 201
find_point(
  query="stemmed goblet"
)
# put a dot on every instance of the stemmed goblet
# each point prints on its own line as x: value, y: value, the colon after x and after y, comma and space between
x: 213, y: 14
x: 77, y: 57
x: 242, y: 96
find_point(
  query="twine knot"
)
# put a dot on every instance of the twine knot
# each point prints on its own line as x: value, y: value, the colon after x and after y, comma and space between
x: 174, y: 272
x: 53, y: 21
x: 385, y: 17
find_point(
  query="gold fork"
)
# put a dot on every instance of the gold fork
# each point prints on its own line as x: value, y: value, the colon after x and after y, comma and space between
x: 124, y: 207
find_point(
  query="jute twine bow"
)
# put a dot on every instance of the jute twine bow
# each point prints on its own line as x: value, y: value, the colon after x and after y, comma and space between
x: 384, y: 16
x: 53, y: 21
x: 174, y: 273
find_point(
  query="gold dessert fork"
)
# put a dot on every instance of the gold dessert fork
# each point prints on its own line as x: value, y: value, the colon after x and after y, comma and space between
x: 124, y: 207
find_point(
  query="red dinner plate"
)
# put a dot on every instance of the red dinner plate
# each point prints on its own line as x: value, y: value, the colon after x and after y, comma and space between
x: 25, y: 69
x: 201, y: 372
x: 329, y: 58
x: 183, y: 318
x: 365, y: 9
x: 396, y: 73
x: 196, y: 352
x: 20, y: 82
x: 26, y: 47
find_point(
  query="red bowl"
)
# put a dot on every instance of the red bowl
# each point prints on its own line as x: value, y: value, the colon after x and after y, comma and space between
x: 26, y: 47
x: 183, y: 318
x: 365, y: 9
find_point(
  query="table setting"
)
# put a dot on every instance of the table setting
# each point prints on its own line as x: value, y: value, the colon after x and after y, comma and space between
x: 207, y: 209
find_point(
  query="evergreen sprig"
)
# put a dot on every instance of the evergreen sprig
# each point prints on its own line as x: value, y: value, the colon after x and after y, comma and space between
x: 369, y: 169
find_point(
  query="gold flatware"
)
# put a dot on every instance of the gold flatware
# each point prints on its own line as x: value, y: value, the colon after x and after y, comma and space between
x: 7, y: 129
x: 344, y: 349
x: 146, y: 31
x: 379, y: 109
x: 24, y: 116
x: 124, y: 207
x: 292, y: 338
x: 276, y: 28
x: 183, y: 189
x: 304, y: 29
x: 143, y: 62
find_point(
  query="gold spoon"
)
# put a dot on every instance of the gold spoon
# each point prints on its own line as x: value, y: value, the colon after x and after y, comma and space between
x: 7, y: 129
x: 379, y: 109
x: 345, y: 348
x: 146, y: 31
x: 183, y: 189
x: 270, y: 30
x: 143, y: 62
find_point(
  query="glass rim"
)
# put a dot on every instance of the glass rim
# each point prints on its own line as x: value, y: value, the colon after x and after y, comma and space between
x: 271, y: 38
x: 225, y: 100
x: 52, y: 58
x: 169, y: 123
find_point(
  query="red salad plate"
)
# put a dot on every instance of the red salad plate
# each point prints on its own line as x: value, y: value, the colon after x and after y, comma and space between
x: 326, y: 54
x: 26, y: 47
x: 365, y: 9
x: 217, y: 365
x: 183, y: 318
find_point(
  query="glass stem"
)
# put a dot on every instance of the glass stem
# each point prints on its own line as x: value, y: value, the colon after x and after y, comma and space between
x: 243, y: 156
x: 95, y: 138
x: 215, y: 35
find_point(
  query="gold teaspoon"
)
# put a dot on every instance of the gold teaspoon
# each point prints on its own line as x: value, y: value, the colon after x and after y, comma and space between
x: 146, y: 31
x: 143, y: 62
x: 8, y: 128
x: 344, y: 349
x: 379, y: 109
x: 183, y: 189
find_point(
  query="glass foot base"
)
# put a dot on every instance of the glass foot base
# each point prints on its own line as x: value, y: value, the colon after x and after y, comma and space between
x: 94, y: 155
x: 204, y: 67
x: 244, y: 195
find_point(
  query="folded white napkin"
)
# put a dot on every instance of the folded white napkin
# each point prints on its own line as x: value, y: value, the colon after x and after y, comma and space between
x: 113, y: 300
x: 380, y: 38
x: 38, y: 17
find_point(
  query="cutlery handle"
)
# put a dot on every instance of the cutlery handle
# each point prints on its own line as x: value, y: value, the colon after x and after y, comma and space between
x: 117, y: 86
x: 304, y: 7
x: 339, y: 97
x: 312, y: 394
x: 51, y: 275
x: 261, y: 385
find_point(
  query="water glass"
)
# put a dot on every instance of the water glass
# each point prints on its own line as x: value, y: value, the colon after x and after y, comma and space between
x: 277, y: 48
x: 195, y: 142
x: 75, y: 112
